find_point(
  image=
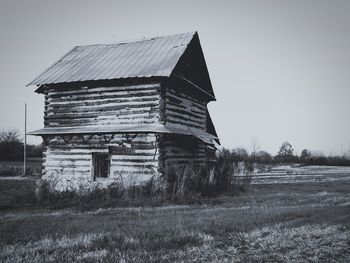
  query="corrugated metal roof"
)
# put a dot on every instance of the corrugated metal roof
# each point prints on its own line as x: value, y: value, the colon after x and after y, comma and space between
x: 84, y: 130
x: 154, y: 57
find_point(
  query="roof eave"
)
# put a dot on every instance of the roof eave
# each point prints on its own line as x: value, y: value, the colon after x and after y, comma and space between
x: 104, y: 82
x: 71, y: 131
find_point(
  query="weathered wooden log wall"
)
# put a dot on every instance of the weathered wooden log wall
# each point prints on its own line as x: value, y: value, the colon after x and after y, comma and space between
x: 68, y: 165
x: 127, y: 105
x: 177, y: 150
x: 182, y: 110
x: 133, y: 160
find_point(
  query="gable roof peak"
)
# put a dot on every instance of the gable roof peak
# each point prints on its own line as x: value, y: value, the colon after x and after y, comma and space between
x: 150, y: 57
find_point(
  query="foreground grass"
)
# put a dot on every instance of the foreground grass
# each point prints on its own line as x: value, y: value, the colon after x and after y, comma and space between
x: 19, y: 193
x: 274, y: 223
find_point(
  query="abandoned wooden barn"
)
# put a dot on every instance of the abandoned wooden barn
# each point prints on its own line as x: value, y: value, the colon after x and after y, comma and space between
x: 124, y: 112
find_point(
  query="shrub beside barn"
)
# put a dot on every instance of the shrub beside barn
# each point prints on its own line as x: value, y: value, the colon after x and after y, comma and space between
x: 125, y: 112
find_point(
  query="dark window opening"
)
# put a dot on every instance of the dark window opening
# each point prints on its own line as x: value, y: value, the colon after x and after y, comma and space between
x: 100, y: 162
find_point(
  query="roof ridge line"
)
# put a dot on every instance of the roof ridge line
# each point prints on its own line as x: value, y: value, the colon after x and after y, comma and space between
x: 136, y: 40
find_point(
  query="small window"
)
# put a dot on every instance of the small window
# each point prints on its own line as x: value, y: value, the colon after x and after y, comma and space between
x: 100, y: 165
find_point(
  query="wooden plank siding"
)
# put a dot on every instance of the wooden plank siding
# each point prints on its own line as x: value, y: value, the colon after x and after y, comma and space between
x: 127, y: 105
x: 180, y: 150
x: 69, y: 164
x: 133, y: 160
x: 182, y: 110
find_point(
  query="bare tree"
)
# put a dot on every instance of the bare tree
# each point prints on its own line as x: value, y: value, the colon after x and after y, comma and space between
x: 239, y: 154
x: 11, y: 146
x: 255, y: 147
x: 9, y: 136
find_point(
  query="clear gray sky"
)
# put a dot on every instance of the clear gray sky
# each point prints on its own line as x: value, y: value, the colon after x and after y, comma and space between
x: 280, y: 69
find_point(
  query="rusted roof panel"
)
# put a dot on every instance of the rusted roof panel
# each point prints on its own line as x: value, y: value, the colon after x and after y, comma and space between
x: 154, y: 57
x: 84, y: 130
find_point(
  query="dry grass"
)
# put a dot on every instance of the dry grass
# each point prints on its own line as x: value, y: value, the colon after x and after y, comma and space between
x: 274, y: 223
x: 17, y: 193
x: 15, y: 168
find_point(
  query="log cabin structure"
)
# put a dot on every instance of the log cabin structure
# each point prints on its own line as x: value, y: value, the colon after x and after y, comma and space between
x: 124, y: 112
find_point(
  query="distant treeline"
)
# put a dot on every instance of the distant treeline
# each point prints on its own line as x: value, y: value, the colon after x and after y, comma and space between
x: 12, y: 147
x: 285, y: 155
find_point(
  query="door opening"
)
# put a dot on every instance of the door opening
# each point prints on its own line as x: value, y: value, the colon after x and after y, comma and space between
x: 101, y: 164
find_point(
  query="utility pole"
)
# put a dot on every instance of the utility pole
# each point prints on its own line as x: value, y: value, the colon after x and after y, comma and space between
x: 25, y: 140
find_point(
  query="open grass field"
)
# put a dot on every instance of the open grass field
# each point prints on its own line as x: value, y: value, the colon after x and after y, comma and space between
x: 280, y: 222
x: 15, y: 168
x: 301, y: 174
